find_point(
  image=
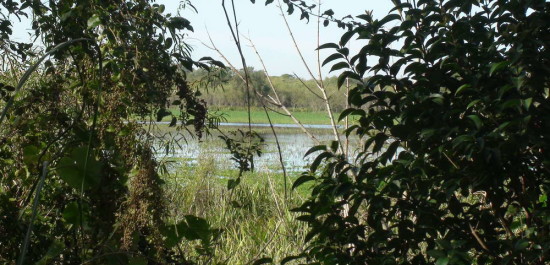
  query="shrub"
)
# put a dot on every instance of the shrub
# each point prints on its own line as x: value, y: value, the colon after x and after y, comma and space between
x: 456, y: 120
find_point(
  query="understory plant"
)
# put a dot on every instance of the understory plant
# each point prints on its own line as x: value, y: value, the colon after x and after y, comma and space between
x: 79, y: 182
x: 253, y: 217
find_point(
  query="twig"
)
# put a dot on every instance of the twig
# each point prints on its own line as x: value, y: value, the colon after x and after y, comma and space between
x: 235, y: 34
x: 246, y: 77
x: 283, y: 107
x: 307, y: 87
x: 319, y: 44
x: 479, y: 239
x: 33, y: 216
x: 266, y: 244
x: 320, y: 85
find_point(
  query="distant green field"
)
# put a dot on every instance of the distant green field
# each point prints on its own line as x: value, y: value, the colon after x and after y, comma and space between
x: 259, y: 116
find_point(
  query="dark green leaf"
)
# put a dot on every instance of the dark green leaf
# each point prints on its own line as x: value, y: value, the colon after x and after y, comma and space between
x: 232, y: 183
x: 315, y: 149
x: 173, y: 122
x: 462, y: 89
x: 400, y: 131
x: 389, y: 18
x: 168, y: 43
x: 318, y: 160
x: 345, y: 75
x: 181, y: 23
x: 304, y: 15
x: 477, y: 121
x: 72, y: 214
x: 332, y: 57
x: 263, y: 261
x: 301, y: 180
x: 442, y: 261
x: 76, y: 173
x: 30, y: 154
x: 290, y: 9
x: 497, y: 67
x: 345, y: 113
x: 346, y: 37
x: 289, y: 259
x: 328, y: 12
x: 328, y: 45
x: 338, y: 66
x: 521, y: 244
x: 93, y: 22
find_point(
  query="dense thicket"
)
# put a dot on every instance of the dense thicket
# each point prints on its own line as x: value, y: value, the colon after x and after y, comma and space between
x: 456, y: 123
x: 78, y: 180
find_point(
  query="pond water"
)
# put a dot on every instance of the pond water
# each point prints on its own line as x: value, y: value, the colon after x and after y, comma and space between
x: 277, y: 125
x: 294, y: 144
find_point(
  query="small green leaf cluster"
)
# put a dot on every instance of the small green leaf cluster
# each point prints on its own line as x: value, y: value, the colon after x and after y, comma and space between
x: 192, y: 228
x: 243, y: 145
x: 307, y: 10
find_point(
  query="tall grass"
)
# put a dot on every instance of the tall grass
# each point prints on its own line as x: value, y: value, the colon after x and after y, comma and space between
x: 255, y: 217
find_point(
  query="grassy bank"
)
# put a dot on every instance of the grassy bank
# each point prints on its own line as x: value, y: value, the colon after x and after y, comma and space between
x: 255, y: 216
x: 259, y: 116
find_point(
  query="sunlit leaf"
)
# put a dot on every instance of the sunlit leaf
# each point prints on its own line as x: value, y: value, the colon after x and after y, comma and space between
x: 93, y: 22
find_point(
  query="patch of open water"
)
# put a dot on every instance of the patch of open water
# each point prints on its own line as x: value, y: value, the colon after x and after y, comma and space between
x: 294, y: 144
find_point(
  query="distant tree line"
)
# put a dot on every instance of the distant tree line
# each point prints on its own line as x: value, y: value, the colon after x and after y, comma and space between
x: 226, y: 89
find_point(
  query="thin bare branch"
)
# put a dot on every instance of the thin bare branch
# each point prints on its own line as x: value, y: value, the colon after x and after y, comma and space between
x: 296, y: 45
x: 282, y: 106
x: 247, y: 80
x: 236, y: 37
x: 307, y: 87
x: 320, y: 85
x: 319, y: 44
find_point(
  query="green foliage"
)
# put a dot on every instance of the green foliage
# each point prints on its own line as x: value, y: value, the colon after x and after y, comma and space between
x: 192, y: 228
x: 77, y: 170
x: 243, y: 147
x: 252, y: 218
x: 455, y: 121
x: 307, y: 10
x: 103, y: 63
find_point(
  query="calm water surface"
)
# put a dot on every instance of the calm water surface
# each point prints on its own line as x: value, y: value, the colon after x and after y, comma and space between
x: 294, y: 144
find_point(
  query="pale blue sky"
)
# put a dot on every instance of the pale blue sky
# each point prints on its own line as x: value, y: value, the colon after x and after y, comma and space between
x: 265, y: 26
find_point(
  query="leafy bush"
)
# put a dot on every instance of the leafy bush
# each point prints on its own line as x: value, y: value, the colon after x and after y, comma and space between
x: 78, y: 180
x: 452, y: 102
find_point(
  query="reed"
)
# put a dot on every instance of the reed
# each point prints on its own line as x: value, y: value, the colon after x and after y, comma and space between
x: 255, y: 216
